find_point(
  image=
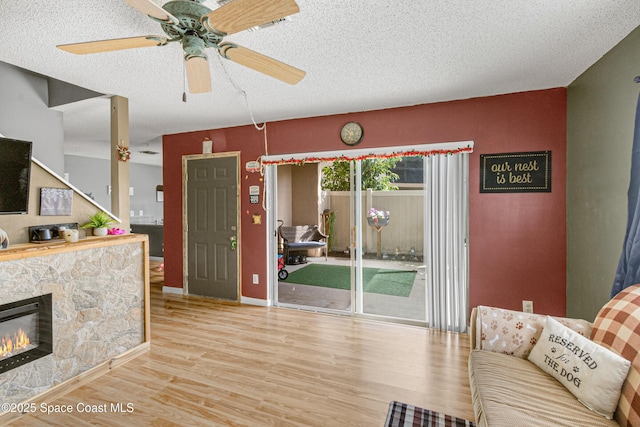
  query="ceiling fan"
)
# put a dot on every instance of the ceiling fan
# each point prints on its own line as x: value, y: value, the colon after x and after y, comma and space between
x: 197, y: 27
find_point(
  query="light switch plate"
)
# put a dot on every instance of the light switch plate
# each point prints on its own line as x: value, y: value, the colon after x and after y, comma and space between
x: 527, y: 306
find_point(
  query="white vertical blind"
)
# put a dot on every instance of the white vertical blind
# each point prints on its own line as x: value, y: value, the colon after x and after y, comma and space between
x: 270, y: 197
x: 446, y: 232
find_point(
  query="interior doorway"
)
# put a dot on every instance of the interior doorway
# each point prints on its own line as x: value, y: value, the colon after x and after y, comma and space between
x: 211, y: 225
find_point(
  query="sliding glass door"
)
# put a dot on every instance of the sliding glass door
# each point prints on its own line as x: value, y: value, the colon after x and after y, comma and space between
x: 389, y: 275
x: 317, y: 279
x: 396, y: 248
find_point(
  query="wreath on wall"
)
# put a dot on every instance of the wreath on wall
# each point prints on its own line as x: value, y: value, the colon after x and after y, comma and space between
x: 123, y: 152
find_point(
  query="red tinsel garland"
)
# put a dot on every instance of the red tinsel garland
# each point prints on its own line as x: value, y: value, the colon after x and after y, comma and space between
x: 346, y: 157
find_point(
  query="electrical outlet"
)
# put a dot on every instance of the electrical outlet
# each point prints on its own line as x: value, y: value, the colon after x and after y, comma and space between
x: 256, y: 279
x: 527, y: 306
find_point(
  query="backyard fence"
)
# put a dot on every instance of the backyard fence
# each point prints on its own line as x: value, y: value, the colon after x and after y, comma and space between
x: 406, y: 225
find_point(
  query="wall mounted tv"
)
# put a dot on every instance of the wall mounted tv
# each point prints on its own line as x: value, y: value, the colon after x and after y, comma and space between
x: 15, y: 173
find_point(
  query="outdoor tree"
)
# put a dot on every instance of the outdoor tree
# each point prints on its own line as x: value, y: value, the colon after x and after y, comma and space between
x: 377, y: 175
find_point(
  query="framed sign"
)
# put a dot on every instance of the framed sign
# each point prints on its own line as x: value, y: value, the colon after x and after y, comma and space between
x: 55, y: 201
x: 515, y: 172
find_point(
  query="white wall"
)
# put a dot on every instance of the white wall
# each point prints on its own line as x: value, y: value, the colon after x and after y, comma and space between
x: 93, y: 176
x: 24, y: 114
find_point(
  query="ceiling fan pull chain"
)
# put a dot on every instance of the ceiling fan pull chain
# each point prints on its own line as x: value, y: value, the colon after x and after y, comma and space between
x: 184, y: 82
x: 243, y: 93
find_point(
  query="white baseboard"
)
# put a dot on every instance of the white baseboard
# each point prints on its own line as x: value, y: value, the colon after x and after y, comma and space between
x: 243, y: 300
x: 255, y: 301
x: 172, y: 290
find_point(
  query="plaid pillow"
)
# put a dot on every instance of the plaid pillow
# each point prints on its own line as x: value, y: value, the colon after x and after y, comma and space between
x: 617, y: 327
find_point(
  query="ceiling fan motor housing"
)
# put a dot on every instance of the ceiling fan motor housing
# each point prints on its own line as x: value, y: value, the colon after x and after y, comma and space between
x: 189, y: 26
x: 193, y: 45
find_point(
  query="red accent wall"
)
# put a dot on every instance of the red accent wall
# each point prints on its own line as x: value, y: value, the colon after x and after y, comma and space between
x: 517, y: 242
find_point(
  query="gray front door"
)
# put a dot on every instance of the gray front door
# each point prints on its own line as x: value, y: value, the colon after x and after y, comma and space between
x: 212, y: 227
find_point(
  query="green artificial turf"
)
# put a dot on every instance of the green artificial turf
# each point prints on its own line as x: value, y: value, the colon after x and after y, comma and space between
x: 376, y: 280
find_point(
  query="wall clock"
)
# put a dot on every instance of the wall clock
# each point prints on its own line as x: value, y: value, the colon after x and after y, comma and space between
x: 351, y: 133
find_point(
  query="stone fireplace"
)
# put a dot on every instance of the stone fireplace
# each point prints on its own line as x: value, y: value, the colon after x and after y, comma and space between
x: 25, y: 331
x: 96, y: 293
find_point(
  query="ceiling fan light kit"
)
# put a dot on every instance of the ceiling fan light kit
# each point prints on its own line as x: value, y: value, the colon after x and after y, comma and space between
x: 197, y: 27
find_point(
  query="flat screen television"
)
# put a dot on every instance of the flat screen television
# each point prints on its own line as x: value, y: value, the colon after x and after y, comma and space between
x: 15, y: 174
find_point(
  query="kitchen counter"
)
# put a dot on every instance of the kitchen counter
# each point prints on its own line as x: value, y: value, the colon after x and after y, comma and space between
x: 156, y: 237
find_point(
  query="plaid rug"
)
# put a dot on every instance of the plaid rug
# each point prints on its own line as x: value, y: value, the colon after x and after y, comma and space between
x: 403, y: 415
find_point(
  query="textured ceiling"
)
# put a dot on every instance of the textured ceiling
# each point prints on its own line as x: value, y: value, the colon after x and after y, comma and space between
x: 359, y: 55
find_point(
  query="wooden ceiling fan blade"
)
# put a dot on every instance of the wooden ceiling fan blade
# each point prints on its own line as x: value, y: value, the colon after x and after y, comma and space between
x: 241, y: 15
x: 113, y: 44
x: 151, y: 9
x: 198, y: 74
x: 261, y: 63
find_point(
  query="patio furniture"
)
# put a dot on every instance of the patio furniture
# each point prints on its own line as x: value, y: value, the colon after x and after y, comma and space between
x: 301, y: 238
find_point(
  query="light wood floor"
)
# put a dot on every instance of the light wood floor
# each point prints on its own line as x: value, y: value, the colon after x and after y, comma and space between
x: 215, y: 364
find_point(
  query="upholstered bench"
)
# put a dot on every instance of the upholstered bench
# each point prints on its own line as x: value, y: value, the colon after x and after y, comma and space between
x: 301, y: 238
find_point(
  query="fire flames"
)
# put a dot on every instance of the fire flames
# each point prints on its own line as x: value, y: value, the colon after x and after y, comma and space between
x: 10, y: 344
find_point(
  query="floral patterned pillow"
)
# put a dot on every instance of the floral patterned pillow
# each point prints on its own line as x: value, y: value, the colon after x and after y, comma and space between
x: 515, y: 333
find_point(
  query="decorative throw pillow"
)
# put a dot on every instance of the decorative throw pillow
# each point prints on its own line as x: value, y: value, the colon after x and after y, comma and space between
x: 617, y: 327
x: 589, y: 371
x: 514, y: 332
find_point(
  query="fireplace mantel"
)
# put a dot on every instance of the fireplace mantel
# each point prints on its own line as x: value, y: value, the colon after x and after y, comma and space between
x: 26, y: 250
x: 100, y: 293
